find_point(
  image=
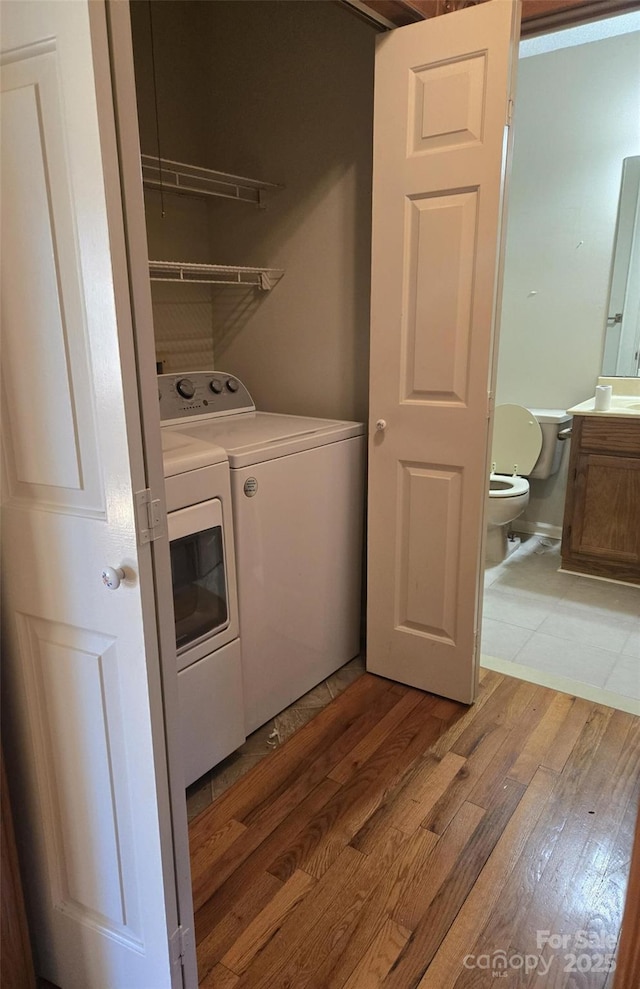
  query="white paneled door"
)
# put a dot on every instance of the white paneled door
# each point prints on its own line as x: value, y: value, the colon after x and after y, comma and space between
x: 442, y: 96
x: 83, y: 720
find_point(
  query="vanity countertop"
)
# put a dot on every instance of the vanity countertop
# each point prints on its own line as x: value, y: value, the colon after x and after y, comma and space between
x: 625, y: 399
x: 621, y: 405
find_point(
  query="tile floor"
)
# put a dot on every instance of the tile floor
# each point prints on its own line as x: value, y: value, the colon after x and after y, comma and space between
x: 560, y: 624
x: 274, y: 733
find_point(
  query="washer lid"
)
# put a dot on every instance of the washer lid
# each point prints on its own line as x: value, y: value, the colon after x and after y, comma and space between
x: 182, y: 453
x: 517, y: 440
x: 255, y: 437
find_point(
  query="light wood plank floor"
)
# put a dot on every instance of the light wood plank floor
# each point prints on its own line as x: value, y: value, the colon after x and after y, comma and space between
x: 405, y: 841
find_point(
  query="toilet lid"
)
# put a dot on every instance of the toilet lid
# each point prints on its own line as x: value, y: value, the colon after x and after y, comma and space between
x: 517, y: 440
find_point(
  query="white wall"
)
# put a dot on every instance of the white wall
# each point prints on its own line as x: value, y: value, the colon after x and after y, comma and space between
x: 281, y: 91
x: 576, y: 118
x: 292, y: 92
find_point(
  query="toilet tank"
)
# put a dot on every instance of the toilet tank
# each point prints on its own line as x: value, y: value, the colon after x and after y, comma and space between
x: 551, y: 422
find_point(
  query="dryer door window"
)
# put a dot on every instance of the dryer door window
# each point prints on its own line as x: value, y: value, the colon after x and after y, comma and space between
x: 198, y: 573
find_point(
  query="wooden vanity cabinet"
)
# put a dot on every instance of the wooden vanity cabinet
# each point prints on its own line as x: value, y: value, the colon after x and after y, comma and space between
x: 601, y: 531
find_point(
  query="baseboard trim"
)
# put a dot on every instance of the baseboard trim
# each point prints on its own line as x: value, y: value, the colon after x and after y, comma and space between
x: 538, y: 528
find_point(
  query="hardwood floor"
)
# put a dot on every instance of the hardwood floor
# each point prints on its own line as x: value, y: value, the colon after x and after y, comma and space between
x: 401, y: 840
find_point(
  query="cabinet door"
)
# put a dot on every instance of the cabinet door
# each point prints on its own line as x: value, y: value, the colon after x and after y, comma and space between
x: 606, y: 514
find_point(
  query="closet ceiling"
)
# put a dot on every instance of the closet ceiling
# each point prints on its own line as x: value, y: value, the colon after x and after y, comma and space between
x: 537, y: 15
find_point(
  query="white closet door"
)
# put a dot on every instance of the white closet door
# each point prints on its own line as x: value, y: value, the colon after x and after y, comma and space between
x: 83, y: 716
x: 441, y: 104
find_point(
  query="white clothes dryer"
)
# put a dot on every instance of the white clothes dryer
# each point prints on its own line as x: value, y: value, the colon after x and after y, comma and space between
x: 297, y: 487
x: 205, y: 602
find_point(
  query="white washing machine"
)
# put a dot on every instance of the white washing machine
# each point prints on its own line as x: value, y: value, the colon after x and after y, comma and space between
x: 297, y: 487
x: 205, y: 601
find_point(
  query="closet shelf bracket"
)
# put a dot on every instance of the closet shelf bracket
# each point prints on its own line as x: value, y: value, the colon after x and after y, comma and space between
x: 191, y: 180
x: 214, y: 274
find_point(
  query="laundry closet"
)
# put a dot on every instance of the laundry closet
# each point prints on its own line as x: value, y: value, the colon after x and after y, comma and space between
x: 257, y: 181
x: 280, y: 92
x: 283, y: 92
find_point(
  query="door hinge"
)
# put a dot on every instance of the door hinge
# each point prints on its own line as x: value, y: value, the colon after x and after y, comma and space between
x: 149, y: 517
x: 490, y: 404
x: 179, y: 942
x: 476, y: 643
x: 509, y: 113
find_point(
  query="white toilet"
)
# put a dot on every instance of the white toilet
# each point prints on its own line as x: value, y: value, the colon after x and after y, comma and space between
x: 526, y: 443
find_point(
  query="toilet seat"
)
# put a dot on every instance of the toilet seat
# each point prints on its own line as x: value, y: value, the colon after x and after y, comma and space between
x: 517, y: 441
x: 504, y: 486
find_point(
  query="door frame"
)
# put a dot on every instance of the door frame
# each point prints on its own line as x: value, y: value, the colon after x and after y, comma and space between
x: 127, y: 187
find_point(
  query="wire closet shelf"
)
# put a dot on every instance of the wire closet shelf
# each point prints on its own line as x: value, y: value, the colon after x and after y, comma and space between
x: 214, y: 274
x: 192, y: 180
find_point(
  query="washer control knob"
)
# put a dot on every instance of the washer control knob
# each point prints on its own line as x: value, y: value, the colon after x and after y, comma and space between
x: 186, y: 388
x: 232, y: 384
x: 215, y: 385
x: 111, y: 577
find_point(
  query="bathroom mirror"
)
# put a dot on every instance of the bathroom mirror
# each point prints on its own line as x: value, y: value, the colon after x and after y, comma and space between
x: 622, y: 333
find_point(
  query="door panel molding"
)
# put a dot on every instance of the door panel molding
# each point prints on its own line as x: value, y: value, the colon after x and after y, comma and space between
x: 439, y: 245
x: 50, y: 459
x: 446, y: 104
x: 427, y: 599
x: 73, y: 672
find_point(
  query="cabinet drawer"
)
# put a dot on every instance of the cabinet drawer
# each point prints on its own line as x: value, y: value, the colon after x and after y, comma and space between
x: 611, y: 435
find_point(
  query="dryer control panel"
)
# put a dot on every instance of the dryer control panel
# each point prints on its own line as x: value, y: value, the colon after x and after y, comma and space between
x: 195, y: 395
